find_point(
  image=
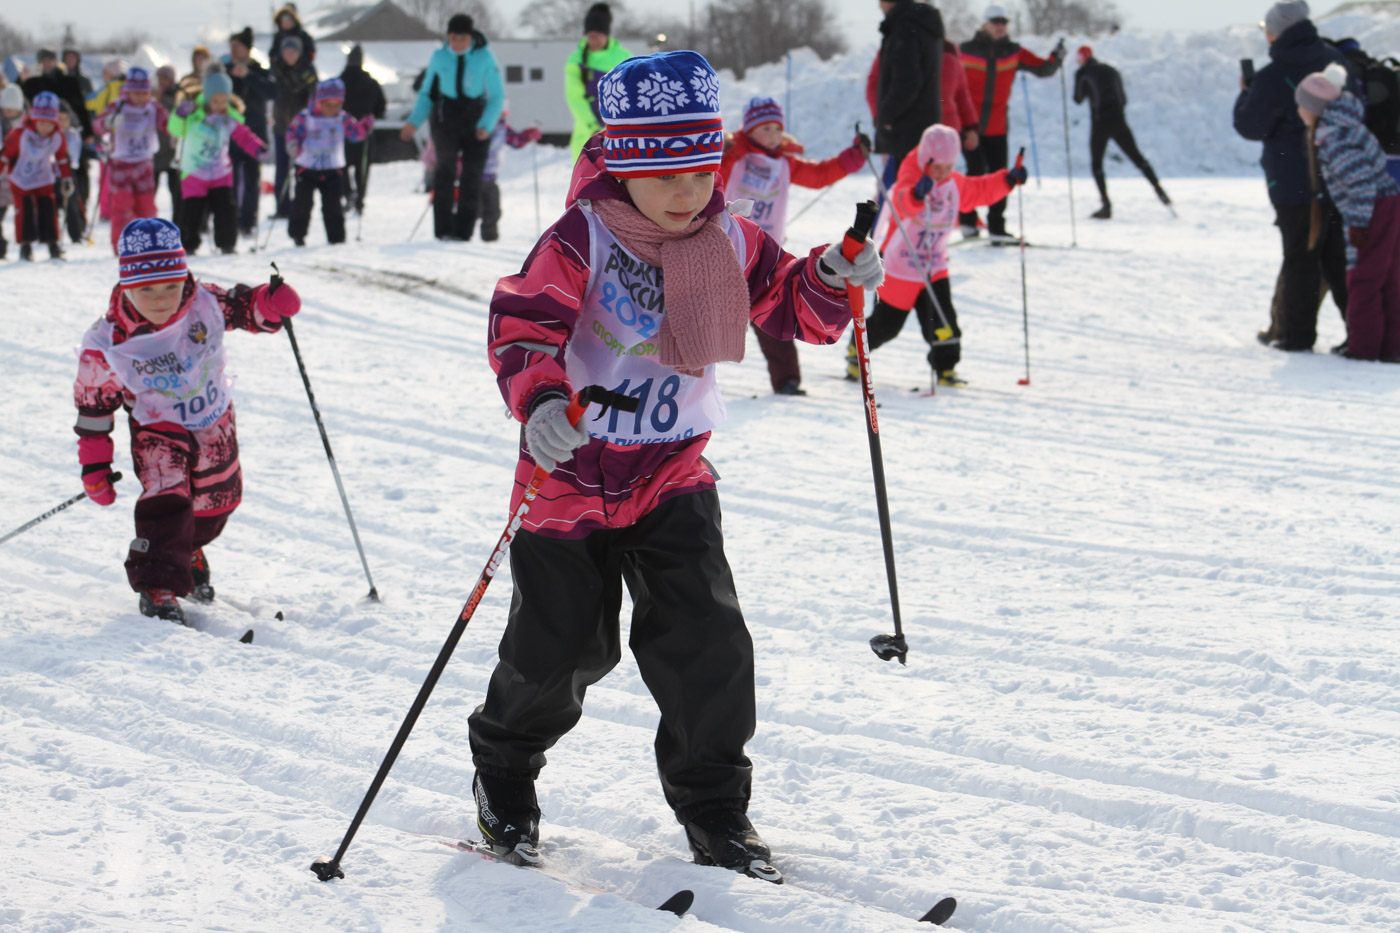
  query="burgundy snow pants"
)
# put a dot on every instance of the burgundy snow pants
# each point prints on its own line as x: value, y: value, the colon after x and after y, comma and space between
x: 191, y: 483
x: 1373, y: 288
x: 782, y: 360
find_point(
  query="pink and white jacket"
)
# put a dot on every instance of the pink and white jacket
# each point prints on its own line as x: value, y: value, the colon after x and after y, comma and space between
x: 582, y: 305
x: 98, y: 392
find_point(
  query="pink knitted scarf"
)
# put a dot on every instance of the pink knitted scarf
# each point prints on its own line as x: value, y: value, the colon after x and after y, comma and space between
x: 707, y: 298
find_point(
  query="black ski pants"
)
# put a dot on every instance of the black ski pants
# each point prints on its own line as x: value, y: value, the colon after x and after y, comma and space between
x: 247, y: 186
x: 989, y: 156
x: 1116, y: 130
x: 490, y: 210
x: 357, y: 162
x: 330, y: 182
x: 688, y: 636
x: 1305, y: 269
x: 195, y: 211
x: 455, y: 209
x: 886, y: 321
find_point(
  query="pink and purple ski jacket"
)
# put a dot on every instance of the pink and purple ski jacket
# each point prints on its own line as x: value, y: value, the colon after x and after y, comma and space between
x: 554, y: 301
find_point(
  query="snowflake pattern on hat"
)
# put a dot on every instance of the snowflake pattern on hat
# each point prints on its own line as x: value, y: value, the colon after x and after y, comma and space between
x: 612, y: 94
x: 661, y: 116
x: 150, y: 253
x: 661, y: 94
x: 706, y: 87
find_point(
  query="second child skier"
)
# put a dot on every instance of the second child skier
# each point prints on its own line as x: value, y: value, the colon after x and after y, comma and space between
x: 629, y: 498
x: 35, y: 153
x: 503, y: 136
x: 316, y: 145
x: 135, y: 122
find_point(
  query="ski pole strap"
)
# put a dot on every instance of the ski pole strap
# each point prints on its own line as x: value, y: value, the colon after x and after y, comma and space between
x: 859, y: 231
x: 607, y: 398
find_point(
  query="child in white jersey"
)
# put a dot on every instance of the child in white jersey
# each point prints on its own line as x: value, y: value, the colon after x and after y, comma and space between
x: 158, y: 352
x: 36, y: 154
x: 135, y: 122
x: 316, y: 144
x: 503, y: 136
x: 761, y: 163
x: 11, y: 112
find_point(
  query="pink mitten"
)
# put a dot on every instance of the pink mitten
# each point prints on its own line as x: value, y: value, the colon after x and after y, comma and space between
x: 367, y: 123
x: 97, y: 483
x: 274, y: 306
x: 532, y: 134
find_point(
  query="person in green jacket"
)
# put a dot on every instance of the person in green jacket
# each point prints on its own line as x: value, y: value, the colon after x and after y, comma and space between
x: 597, y: 54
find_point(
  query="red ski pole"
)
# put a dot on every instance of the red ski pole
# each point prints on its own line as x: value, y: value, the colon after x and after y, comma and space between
x: 885, y: 647
x: 325, y: 869
x: 1025, y: 312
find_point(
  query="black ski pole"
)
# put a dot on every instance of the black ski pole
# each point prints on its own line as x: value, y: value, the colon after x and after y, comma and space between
x: 55, y: 510
x: 426, y: 207
x: 1025, y: 308
x: 277, y: 206
x: 1069, y: 161
x: 275, y: 284
x: 362, y: 182
x: 327, y: 868
x: 884, y: 646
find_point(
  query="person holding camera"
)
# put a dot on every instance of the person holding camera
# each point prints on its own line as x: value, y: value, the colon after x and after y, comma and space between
x: 1266, y: 112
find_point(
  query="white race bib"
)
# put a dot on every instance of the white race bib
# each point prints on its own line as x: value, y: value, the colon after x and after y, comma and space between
x: 205, y: 151
x: 134, y: 139
x: 324, y: 146
x: 929, y: 229
x: 35, y: 167
x: 765, y: 181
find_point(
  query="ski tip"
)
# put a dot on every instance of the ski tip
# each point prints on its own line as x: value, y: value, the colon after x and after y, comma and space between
x: 941, y: 912
x: 679, y: 902
x: 247, y: 638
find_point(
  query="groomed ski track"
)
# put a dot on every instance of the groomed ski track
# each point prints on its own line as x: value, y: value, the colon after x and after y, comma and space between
x: 1152, y: 603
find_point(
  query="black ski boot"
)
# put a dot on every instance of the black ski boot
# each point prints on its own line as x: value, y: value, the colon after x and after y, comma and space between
x: 55, y: 249
x: 509, y: 819
x: 1103, y: 213
x: 26, y: 252
x: 1162, y: 195
x: 161, y: 604
x: 199, y: 570
x: 724, y: 836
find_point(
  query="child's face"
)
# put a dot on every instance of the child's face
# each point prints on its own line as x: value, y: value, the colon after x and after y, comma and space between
x: 156, y: 303
x: 45, y: 127
x: 139, y: 98
x: 940, y: 171
x: 768, y: 135
x: 290, y: 55
x: 672, y: 201
x: 331, y: 107
x: 217, y: 103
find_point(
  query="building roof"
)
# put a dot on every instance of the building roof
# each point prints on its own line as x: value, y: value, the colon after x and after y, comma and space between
x: 382, y: 22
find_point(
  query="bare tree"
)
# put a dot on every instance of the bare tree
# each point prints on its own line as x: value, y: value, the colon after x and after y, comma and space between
x: 740, y: 34
x: 1083, y: 17
x: 563, y: 19
x: 436, y: 13
x: 960, y: 21
x: 13, y: 41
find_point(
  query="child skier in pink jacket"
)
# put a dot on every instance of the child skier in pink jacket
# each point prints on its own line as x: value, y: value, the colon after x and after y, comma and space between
x: 926, y: 199
x: 316, y: 143
x: 629, y: 497
x: 33, y: 154
x: 158, y: 352
x: 135, y: 121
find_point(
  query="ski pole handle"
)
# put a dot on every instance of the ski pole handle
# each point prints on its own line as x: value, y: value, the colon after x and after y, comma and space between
x: 859, y: 231
x: 1021, y: 157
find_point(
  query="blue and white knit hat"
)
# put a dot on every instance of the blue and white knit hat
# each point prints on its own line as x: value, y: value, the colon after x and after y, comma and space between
x: 661, y: 116
x: 330, y: 89
x: 45, y: 107
x: 150, y: 253
x: 761, y: 110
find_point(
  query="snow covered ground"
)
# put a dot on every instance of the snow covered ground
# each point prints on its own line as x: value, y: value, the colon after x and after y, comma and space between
x: 1152, y: 601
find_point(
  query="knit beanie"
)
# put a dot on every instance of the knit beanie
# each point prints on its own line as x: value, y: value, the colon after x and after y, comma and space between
x: 137, y: 82
x: 330, y: 89
x: 940, y: 145
x: 244, y: 38
x: 11, y: 98
x: 216, y: 82
x: 166, y: 71
x: 45, y: 107
x: 761, y: 110
x: 1084, y: 54
x: 598, y: 19
x: 291, y: 42
x: 150, y: 253
x: 661, y: 116
x: 1284, y: 14
x: 461, y: 24
x: 1320, y: 88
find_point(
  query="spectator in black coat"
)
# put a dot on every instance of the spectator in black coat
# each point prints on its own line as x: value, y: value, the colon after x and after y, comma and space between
x: 363, y: 97
x: 296, y: 79
x: 1100, y: 84
x: 1266, y: 111
x: 167, y: 93
x: 52, y: 77
x: 254, y: 86
x: 288, y: 23
x: 908, y: 93
x: 73, y: 64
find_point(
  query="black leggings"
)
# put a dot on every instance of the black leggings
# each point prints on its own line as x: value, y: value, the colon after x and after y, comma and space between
x: 886, y: 321
x: 989, y: 156
x: 1116, y: 130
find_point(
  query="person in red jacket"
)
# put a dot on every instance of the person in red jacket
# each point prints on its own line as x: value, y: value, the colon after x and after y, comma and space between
x: 761, y: 163
x: 31, y: 154
x: 992, y: 62
x: 958, y: 110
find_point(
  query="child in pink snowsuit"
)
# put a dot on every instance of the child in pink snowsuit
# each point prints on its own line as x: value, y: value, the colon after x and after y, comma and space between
x: 34, y: 154
x: 135, y: 121
x: 158, y: 352
x: 926, y: 199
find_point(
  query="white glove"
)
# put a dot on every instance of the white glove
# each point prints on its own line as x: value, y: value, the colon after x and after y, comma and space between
x: 836, y: 270
x: 549, y: 436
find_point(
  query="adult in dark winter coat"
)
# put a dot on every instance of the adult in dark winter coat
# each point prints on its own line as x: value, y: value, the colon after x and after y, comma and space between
x: 296, y: 78
x: 73, y: 64
x: 363, y: 97
x: 167, y: 94
x: 1265, y: 111
x: 908, y: 92
x: 288, y: 23
x: 1100, y: 84
x: 992, y: 62
x: 53, y: 78
x: 253, y: 84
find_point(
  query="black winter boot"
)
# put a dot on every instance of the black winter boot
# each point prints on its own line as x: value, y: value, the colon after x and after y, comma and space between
x: 199, y: 570
x: 1103, y: 213
x: 724, y: 836
x: 508, y: 816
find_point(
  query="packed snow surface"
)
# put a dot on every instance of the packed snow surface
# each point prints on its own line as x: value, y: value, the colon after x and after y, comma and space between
x: 1152, y: 598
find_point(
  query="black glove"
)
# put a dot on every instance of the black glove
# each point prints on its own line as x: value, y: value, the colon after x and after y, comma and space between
x: 863, y: 142
x: 1017, y: 176
x: 1058, y: 52
x: 922, y: 187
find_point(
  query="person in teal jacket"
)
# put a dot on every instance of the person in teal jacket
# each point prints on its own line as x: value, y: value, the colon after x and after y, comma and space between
x: 597, y: 54
x: 462, y: 96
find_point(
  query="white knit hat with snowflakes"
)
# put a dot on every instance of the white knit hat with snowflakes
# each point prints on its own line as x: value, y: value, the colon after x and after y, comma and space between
x: 661, y: 116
